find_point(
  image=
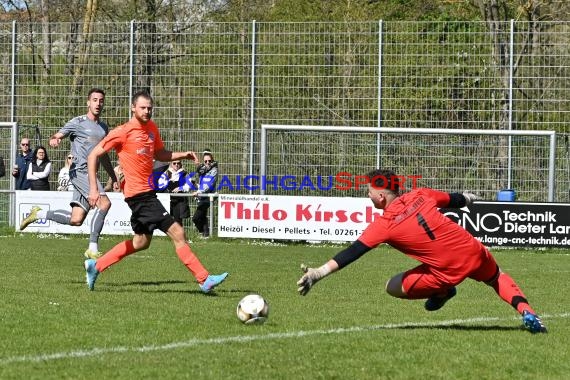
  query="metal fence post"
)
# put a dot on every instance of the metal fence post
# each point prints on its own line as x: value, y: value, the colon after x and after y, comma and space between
x: 13, y: 76
x: 379, y: 118
x: 511, y: 72
x: 131, y: 65
x: 552, y: 168
x: 252, y: 101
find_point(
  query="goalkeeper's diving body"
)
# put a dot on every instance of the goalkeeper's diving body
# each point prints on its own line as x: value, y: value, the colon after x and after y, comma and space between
x: 412, y: 224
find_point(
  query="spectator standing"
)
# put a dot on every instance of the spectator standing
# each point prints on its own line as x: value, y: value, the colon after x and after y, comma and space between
x: 207, y: 173
x: 39, y: 170
x: 173, y: 180
x: 23, y: 160
x: 2, y: 167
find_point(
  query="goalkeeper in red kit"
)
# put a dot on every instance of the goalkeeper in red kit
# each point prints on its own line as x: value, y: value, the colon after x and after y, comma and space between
x: 412, y: 224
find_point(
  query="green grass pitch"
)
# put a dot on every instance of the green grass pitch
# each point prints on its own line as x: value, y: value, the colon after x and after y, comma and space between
x: 147, y: 318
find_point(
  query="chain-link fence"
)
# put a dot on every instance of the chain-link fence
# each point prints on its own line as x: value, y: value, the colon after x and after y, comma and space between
x: 214, y: 84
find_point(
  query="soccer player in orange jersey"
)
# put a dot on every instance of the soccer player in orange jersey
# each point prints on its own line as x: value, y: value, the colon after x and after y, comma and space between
x: 137, y: 143
x: 412, y: 224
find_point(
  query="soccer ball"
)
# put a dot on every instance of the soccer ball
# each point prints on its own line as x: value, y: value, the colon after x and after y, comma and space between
x: 252, y: 309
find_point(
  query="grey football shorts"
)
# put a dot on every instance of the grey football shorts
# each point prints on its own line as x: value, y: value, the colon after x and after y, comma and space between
x: 80, y: 196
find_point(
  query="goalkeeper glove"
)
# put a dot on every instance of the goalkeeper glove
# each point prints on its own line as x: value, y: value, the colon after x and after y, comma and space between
x: 469, y: 198
x: 310, y: 277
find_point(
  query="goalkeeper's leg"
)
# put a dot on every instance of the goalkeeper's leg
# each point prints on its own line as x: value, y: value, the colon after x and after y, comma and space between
x: 490, y: 273
x: 504, y: 285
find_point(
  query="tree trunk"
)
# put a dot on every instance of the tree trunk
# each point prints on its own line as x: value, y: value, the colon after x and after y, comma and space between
x: 496, y: 14
x: 85, y: 44
x: 500, y: 58
x: 46, y: 36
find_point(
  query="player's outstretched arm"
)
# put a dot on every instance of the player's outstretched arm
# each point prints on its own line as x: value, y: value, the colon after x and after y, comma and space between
x: 56, y: 139
x: 469, y: 198
x: 164, y: 155
x: 190, y: 155
x: 457, y: 200
x: 340, y: 260
x: 167, y: 155
x: 312, y: 275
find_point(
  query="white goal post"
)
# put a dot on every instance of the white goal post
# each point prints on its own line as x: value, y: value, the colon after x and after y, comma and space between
x: 423, y: 131
x: 9, y: 161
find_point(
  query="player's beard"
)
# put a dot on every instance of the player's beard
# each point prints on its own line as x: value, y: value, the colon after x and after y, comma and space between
x: 143, y: 119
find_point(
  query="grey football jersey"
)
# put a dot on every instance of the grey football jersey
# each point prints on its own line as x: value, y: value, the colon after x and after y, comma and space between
x: 84, y: 135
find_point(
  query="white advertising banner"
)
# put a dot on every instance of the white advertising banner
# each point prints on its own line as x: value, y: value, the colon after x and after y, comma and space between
x: 294, y: 218
x: 117, y: 222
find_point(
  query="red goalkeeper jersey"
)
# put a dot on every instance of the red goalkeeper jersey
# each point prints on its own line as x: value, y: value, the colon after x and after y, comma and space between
x: 413, y: 225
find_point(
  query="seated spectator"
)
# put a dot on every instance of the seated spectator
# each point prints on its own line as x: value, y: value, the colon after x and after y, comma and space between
x: 120, y: 178
x: 63, y: 181
x: 39, y: 170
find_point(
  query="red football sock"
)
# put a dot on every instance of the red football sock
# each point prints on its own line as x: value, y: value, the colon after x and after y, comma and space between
x: 186, y: 255
x: 116, y: 254
x: 509, y: 291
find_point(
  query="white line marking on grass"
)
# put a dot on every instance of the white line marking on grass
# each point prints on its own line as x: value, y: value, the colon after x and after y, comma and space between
x: 248, y: 338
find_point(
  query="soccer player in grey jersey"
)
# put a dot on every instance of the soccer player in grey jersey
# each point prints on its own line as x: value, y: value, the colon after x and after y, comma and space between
x: 85, y: 132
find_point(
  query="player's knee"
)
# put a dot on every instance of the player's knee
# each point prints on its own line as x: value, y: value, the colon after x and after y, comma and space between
x: 105, y: 207
x: 141, y: 246
x: 104, y: 204
x: 141, y: 243
x: 176, y: 233
x: 75, y: 222
x: 391, y: 290
x: 394, y: 287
